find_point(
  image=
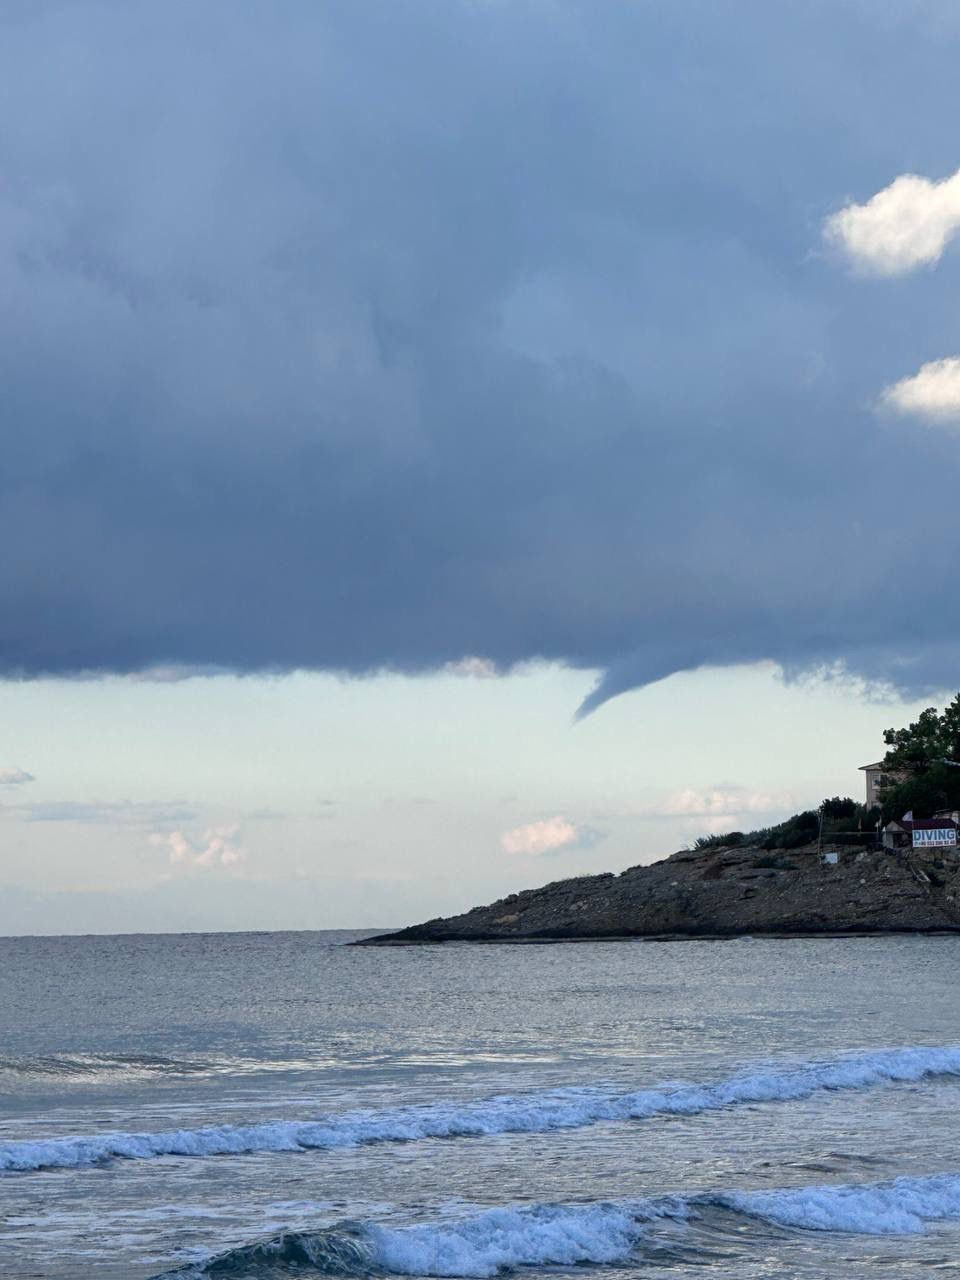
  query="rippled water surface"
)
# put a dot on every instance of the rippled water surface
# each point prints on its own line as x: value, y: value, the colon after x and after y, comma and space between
x: 268, y: 1105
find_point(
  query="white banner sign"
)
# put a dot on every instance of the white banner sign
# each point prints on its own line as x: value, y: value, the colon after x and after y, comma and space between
x: 935, y: 838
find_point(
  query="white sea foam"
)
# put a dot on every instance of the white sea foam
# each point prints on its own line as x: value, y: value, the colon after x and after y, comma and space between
x: 900, y: 1207
x: 605, y: 1233
x: 532, y: 1113
x: 541, y: 1235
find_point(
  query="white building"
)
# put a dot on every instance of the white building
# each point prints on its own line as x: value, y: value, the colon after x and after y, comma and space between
x: 873, y: 774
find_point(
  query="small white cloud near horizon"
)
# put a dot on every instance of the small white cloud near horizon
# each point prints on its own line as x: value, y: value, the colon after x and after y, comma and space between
x: 534, y: 839
x: 719, y: 823
x: 719, y: 804
x: 932, y: 394
x: 101, y: 812
x: 218, y: 847
x: 14, y: 776
x: 906, y: 225
x: 472, y: 665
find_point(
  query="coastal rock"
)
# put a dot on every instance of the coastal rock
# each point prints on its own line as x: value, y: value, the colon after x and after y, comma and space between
x: 725, y: 892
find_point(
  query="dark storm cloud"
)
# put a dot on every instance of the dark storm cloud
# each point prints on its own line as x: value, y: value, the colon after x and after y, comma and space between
x: 359, y: 336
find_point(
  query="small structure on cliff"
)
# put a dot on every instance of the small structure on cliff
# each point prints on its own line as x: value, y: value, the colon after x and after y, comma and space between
x: 917, y: 833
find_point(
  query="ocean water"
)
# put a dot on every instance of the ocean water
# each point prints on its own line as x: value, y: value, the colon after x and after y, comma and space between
x: 267, y: 1105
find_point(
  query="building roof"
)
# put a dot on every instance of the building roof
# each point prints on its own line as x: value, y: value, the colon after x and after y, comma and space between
x: 878, y: 765
x: 922, y: 824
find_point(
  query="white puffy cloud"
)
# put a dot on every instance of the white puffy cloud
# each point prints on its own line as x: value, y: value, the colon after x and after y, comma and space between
x: 537, y: 838
x: 719, y: 823
x: 175, y: 673
x: 472, y: 665
x: 217, y: 847
x: 12, y: 776
x: 721, y: 804
x: 933, y: 393
x: 906, y: 225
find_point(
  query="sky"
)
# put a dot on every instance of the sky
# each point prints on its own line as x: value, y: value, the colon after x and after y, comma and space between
x: 454, y: 445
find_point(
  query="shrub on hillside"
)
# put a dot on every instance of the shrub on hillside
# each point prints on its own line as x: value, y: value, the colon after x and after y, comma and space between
x: 725, y: 841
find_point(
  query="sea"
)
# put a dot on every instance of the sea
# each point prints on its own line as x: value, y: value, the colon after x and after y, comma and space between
x: 267, y: 1105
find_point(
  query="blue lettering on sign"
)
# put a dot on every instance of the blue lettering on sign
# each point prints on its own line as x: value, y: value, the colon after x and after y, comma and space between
x: 940, y: 836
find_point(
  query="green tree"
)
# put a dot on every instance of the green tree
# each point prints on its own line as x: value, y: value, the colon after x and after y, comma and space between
x: 921, y: 770
x: 840, y: 809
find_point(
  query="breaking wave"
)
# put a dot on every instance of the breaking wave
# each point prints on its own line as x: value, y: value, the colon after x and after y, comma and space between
x: 901, y: 1207
x: 570, y: 1108
x: 576, y: 1235
x: 491, y: 1242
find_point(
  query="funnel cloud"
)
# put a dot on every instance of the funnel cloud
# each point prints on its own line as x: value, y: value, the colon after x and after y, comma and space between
x: 403, y: 334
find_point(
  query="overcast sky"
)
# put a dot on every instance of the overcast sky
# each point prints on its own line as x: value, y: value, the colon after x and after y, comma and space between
x: 444, y: 445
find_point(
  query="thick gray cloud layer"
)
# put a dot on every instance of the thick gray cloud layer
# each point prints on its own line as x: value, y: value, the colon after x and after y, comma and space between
x: 358, y: 335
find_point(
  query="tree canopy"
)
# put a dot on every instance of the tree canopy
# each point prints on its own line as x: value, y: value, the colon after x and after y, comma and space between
x: 921, y: 769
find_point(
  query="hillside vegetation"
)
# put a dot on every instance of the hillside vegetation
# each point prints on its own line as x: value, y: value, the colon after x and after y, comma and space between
x: 844, y: 822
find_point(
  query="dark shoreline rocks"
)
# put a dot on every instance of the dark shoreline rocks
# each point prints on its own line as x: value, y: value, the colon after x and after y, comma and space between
x: 721, y: 893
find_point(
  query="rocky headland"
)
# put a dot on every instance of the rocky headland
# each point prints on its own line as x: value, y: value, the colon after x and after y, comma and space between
x: 722, y: 893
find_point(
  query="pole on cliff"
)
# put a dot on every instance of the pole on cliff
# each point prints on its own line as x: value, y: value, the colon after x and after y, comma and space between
x: 820, y: 834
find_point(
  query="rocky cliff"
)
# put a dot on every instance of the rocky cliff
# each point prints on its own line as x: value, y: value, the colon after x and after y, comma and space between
x: 722, y: 892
